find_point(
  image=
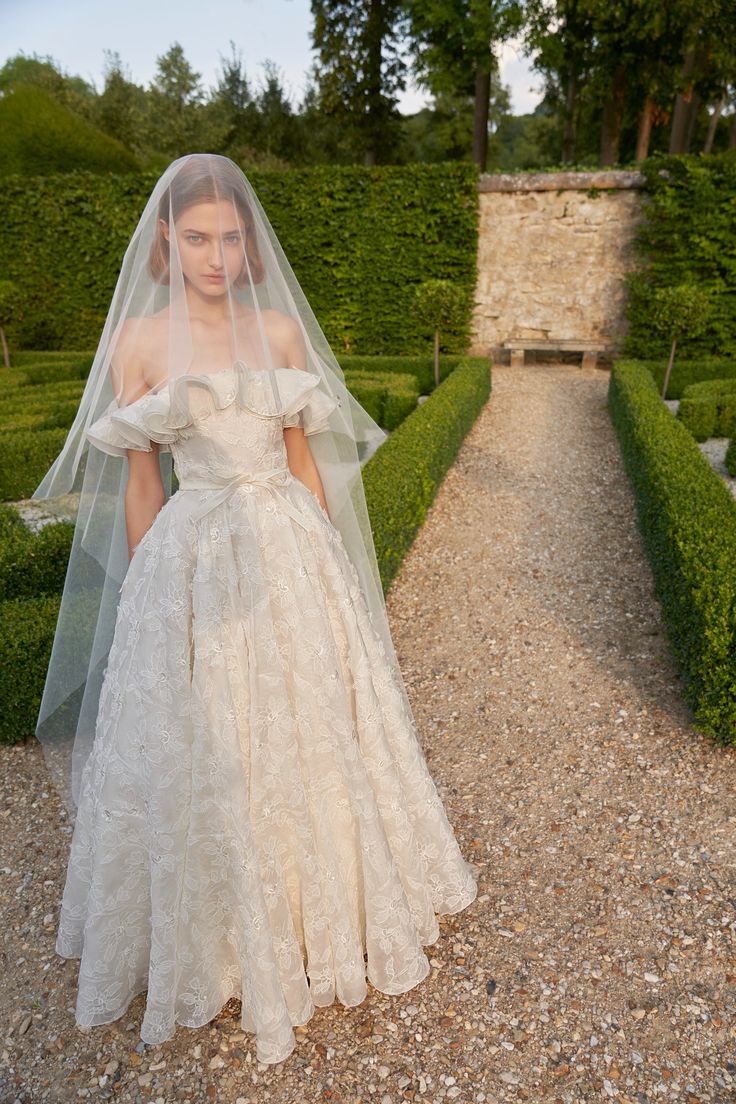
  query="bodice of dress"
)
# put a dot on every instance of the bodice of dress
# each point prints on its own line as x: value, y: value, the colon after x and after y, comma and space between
x: 218, y: 425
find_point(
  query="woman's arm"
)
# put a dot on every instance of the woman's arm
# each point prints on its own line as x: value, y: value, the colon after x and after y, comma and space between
x: 144, y: 494
x: 300, y: 459
x: 301, y: 463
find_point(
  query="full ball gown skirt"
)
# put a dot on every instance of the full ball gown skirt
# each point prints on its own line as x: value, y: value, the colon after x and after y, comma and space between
x: 256, y: 818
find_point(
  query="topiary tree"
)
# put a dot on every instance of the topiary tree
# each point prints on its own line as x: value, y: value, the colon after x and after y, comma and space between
x: 439, y: 305
x: 674, y: 311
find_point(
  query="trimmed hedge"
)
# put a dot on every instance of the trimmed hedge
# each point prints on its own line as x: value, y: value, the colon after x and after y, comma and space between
x: 388, y: 397
x: 687, y: 234
x: 29, y: 625
x: 687, y: 372
x: 420, y: 366
x: 687, y: 518
x: 25, y: 455
x: 31, y: 563
x: 708, y: 409
x: 359, y: 238
x: 730, y: 458
x: 402, y: 478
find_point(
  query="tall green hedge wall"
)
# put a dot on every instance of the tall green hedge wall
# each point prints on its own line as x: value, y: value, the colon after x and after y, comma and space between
x: 687, y: 234
x: 358, y: 238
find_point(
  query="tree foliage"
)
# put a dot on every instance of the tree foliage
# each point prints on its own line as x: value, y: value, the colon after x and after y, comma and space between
x: 625, y: 80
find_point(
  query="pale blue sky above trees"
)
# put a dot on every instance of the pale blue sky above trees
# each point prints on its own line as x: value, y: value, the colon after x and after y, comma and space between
x: 75, y: 33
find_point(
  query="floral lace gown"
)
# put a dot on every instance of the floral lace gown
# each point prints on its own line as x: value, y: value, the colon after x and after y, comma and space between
x: 256, y: 818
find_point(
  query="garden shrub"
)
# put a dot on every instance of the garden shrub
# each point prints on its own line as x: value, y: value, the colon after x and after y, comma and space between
x: 402, y: 478
x: 687, y: 518
x: 687, y: 235
x: 25, y: 457
x: 687, y: 372
x: 29, y: 625
x: 33, y: 563
x: 708, y: 408
x: 388, y: 397
x: 730, y: 459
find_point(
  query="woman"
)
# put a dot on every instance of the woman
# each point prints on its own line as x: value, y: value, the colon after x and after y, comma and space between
x: 224, y: 713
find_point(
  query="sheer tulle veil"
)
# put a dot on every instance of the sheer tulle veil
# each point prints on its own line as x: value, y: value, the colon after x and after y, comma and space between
x: 150, y: 308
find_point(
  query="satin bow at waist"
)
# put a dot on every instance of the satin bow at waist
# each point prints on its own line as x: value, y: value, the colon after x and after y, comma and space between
x: 225, y: 485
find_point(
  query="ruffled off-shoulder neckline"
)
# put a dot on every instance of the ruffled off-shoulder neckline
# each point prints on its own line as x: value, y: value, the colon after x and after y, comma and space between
x: 162, y: 415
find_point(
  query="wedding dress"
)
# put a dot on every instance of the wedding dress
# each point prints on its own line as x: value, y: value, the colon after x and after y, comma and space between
x: 256, y: 818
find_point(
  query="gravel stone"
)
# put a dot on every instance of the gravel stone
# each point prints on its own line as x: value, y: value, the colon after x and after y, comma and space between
x: 601, y: 825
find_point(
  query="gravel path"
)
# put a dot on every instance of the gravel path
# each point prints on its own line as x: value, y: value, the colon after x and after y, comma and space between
x: 598, y: 961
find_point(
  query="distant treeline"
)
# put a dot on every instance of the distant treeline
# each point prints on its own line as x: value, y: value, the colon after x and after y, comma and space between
x: 620, y: 83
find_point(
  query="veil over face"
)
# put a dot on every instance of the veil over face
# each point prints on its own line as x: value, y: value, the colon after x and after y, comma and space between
x: 204, y: 288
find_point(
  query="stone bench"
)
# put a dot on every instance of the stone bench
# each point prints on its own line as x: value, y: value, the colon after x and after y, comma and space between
x: 589, y: 349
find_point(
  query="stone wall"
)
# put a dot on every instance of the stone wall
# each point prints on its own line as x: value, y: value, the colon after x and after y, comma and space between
x: 552, y: 257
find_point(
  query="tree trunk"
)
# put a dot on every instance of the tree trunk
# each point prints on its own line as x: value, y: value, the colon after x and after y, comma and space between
x: 373, y: 46
x: 713, y: 124
x: 692, y: 118
x: 568, y: 129
x: 681, y: 117
x: 669, y: 368
x: 480, y: 117
x: 644, y: 133
x: 6, y: 353
x: 613, y: 110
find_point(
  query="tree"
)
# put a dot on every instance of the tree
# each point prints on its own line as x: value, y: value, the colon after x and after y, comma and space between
x: 684, y: 309
x: 453, y: 43
x: 121, y: 107
x: 359, y: 71
x: 561, y: 38
x: 708, y: 67
x: 616, y: 72
x: 440, y: 305
x: 274, y: 113
x: 233, y: 104
x: 173, y: 99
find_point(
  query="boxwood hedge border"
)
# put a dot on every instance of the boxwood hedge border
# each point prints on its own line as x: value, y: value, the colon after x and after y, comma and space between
x: 402, y: 478
x: 687, y: 518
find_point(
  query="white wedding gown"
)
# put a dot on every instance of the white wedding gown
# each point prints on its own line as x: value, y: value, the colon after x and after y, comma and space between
x: 256, y: 818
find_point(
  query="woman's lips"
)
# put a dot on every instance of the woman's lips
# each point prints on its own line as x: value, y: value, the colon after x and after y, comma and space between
x: 215, y: 279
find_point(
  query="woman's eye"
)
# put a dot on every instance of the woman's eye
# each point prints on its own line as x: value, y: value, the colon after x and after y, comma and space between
x: 232, y: 239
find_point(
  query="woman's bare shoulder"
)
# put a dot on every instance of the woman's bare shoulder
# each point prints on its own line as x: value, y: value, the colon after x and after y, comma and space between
x: 285, y: 334
x: 282, y: 325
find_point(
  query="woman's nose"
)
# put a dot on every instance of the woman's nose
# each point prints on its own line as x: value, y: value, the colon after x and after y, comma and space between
x: 215, y: 258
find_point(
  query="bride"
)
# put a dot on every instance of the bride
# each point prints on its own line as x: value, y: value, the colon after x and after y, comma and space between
x: 224, y: 714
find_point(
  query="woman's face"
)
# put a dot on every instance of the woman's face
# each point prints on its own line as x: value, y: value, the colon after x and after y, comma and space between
x: 210, y: 238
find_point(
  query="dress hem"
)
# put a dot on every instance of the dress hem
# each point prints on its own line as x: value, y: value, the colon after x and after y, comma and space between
x: 389, y: 992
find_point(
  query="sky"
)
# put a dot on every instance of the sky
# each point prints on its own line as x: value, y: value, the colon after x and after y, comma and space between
x: 75, y: 33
